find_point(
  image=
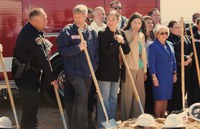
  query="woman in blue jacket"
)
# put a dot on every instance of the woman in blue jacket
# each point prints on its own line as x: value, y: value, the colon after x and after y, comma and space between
x: 162, y: 66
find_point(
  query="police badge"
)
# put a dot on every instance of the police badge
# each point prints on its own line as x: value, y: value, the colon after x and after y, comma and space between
x: 39, y: 40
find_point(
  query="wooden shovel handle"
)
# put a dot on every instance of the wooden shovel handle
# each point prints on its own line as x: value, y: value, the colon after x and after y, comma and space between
x: 132, y: 82
x: 182, y: 65
x: 93, y: 76
x: 9, y: 89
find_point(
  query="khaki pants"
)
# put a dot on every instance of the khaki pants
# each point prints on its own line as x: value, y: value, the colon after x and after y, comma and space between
x: 129, y: 104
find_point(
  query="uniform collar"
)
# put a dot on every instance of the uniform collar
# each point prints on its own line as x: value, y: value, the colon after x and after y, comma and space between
x: 33, y: 28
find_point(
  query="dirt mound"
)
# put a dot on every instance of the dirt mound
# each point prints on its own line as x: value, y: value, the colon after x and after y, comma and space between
x: 130, y: 124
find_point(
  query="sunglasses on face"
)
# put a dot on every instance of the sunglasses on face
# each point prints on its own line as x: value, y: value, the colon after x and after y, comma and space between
x: 163, y: 33
x: 117, y: 7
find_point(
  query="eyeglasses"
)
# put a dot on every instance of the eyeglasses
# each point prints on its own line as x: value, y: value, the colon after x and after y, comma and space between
x: 163, y: 33
x: 116, y: 7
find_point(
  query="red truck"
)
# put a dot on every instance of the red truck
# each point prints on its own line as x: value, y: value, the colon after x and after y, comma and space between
x: 14, y: 14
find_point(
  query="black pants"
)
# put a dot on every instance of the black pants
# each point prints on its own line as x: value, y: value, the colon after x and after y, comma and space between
x: 79, y: 114
x: 194, y: 88
x: 176, y: 101
x: 149, y: 101
x: 29, y: 87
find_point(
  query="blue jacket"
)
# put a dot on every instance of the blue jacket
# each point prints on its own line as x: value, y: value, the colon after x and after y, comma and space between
x: 160, y: 61
x: 75, y: 62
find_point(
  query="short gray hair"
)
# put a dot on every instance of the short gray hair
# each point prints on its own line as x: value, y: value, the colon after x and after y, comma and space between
x: 158, y: 27
x: 99, y: 8
x: 35, y: 12
x: 80, y: 8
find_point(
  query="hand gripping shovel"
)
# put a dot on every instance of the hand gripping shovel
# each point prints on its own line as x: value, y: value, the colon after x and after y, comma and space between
x: 133, y: 84
x: 58, y: 100
x: 109, y: 123
x: 8, y: 88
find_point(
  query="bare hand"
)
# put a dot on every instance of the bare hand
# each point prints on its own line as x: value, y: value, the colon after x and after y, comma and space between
x: 1, y: 48
x: 186, y: 63
x: 55, y: 84
x: 174, y: 78
x: 189, y: 59
x: 119, y: 39
x: 82, y: 45
x: 145, y: 76
x: 155, y: 82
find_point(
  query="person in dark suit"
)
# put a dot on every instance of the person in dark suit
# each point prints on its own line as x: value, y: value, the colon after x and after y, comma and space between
x: 195, y: 90
x: 162, y: 66
x: 175, y: 37
x: 108, y: 73
x: 30, y: 57
x: 195, y: 16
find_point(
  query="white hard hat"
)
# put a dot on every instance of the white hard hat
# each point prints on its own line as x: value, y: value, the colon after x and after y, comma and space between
x: 173, y: 121
x: 146, y: 120
x: 194, y: 111
x: 5, y: 122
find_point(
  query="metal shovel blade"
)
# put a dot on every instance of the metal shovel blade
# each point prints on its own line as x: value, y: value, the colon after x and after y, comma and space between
x: 109, y: 124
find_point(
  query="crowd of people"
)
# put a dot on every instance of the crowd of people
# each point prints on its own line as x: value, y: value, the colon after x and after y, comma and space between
x: 152, y: 51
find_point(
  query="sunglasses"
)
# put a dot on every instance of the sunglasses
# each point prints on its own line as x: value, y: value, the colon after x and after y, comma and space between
x: 117, y: 7
x: 163, y: 33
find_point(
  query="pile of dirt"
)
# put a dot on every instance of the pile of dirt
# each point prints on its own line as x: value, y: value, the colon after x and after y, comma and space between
x: 131, y: 124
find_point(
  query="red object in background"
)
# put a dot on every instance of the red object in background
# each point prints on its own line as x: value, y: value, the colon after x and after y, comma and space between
x: 14, y: 14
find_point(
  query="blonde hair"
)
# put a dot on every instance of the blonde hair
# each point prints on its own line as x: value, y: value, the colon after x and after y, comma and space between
x: 99, y: 8
x: 80, y: 8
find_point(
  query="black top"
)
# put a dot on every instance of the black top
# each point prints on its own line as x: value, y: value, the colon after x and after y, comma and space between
x: 109, y: 69
x: 27, y: 50
x: 176, y: 40
x: 197, y: 44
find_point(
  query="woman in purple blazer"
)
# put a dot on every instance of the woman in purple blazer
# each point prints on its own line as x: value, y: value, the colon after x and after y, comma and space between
x: 162, y: 66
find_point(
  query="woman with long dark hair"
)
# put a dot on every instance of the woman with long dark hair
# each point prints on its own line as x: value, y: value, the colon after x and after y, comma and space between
x: 135, y: 32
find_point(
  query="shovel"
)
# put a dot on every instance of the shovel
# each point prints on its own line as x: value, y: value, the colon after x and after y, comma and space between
x: 9, y: 89
x: 133, y: 84
x: 58, y: 98
x: 109, y: 123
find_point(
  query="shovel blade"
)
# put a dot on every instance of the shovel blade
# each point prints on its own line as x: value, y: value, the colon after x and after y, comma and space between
x: 109, y: 124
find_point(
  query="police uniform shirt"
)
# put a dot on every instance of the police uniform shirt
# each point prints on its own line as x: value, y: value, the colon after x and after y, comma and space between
x: 29, y: 49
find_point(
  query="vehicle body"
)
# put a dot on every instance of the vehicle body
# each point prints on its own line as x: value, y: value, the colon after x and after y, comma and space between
x: 14, y: 14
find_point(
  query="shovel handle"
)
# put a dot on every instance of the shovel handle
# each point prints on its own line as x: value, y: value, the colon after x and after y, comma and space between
x: 9, y: 89
x: 60, y: 107
x: 132, y: 82
x: 93, y: 76
x: 58, y: 98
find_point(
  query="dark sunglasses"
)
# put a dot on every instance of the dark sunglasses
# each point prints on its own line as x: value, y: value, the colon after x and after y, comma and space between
x: 162, y: 33
x: 118, y: 7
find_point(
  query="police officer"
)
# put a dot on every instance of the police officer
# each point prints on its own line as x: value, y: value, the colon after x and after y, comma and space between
x: 76, y: 67
x: 30, y: 57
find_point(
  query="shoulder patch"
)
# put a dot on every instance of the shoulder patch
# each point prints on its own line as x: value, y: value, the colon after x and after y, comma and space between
x: 39, y: 40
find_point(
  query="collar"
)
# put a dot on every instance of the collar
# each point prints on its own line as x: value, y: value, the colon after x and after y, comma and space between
x: 85, y: 29
x: 109, y: 31
x: 32, y: 27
